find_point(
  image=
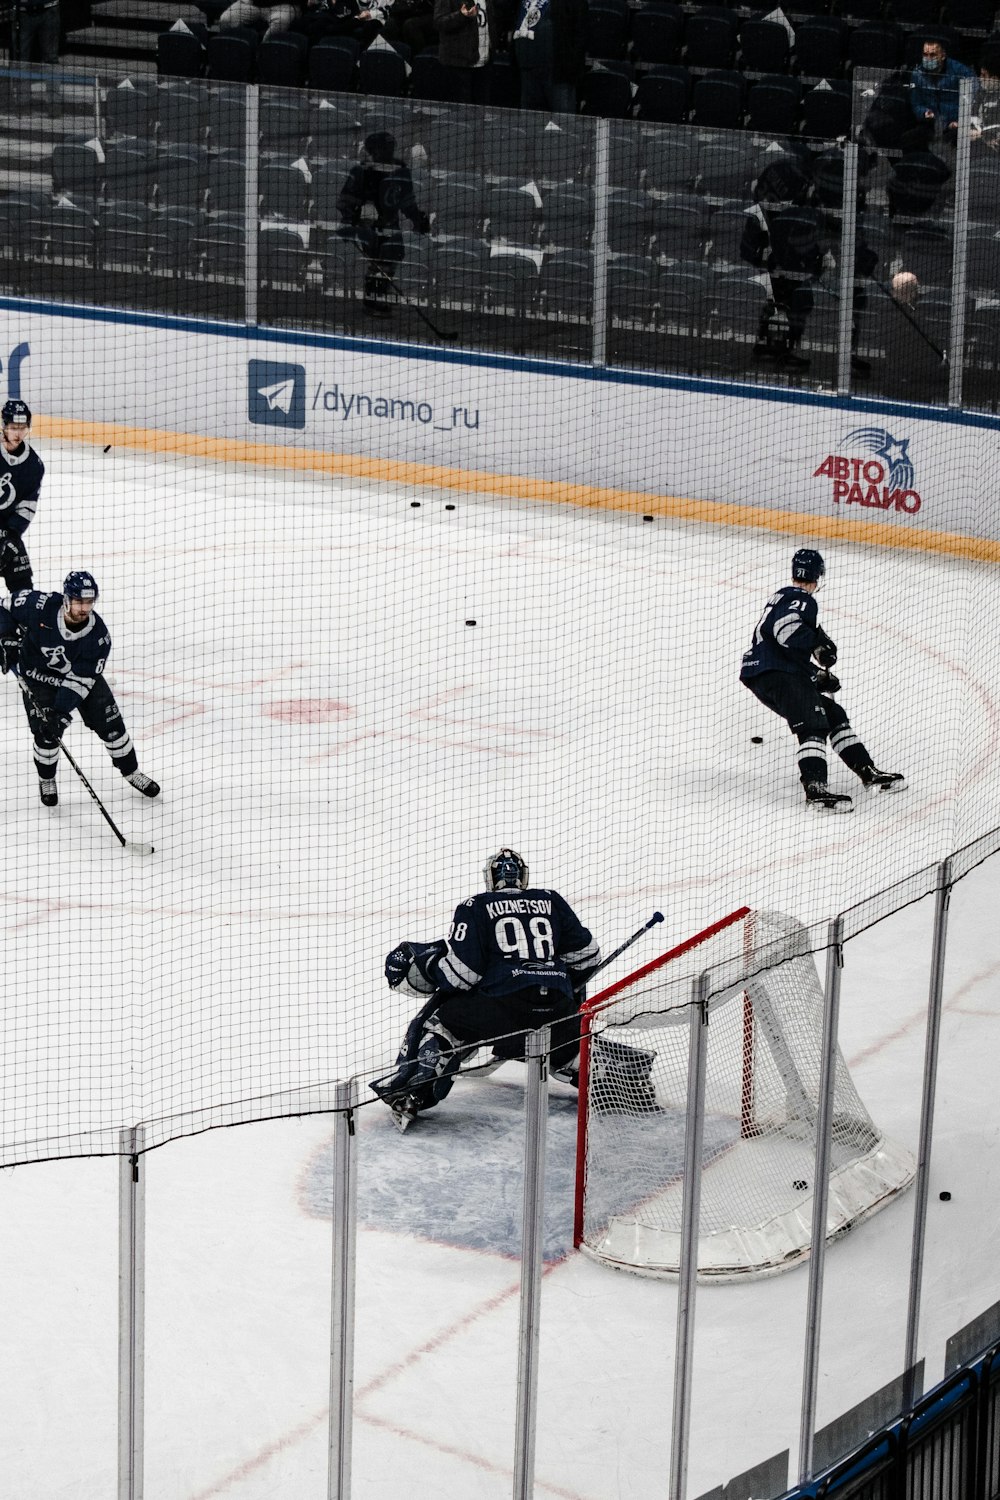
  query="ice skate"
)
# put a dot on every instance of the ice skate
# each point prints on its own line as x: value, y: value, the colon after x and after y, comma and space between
x: 144, y: 784
x: 404, y: 1111
x: 819, y: 796
x: 47, y: 791
x: 883, y: 781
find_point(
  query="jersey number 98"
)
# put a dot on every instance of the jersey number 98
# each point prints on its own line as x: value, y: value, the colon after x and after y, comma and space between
x: 514, y: 941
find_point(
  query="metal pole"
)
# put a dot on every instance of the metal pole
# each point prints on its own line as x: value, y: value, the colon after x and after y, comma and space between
x: 694, y: 1136
x: 931, y: 1048
x: 251, y: 191
x: 960, y: 236
x: 131, y: 1312
x: 848, y: 236
x: 345, y: 1102
x: 599, y: 245
x: 532, y: 1225
x: 821, y: 1193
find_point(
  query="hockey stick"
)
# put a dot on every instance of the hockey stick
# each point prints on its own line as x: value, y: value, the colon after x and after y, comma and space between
x: 886, y: 291
x: 372, y: 263
x: 654, y: 919
x: 129, y: 844
x: 942, y: 354
x: 446, y: 338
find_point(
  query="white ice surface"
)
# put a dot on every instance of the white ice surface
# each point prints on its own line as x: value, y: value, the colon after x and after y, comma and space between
x: 338, y: 751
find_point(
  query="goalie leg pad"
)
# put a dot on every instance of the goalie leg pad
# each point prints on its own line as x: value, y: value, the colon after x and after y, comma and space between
x: 424, y: 1071
x: 620, y: 1078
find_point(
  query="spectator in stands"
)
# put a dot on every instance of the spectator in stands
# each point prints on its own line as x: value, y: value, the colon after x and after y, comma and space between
x: 362, y: 19
x: 466, y: 39
x: 986, y: 116
x: 550, y: 45
x: 275, y: 17
x: 934, y: 96
x: 412, y: 22
x: 35, y: 31
x: 383, y: 184
x: 781, y: 233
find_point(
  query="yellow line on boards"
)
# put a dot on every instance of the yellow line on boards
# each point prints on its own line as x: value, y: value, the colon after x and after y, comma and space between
x: 551, y: 491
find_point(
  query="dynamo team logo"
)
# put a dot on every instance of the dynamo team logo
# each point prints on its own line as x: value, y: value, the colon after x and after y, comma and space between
x: 882, y: 480
x: 276, y: 394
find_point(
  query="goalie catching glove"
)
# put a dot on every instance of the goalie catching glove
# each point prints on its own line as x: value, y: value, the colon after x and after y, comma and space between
x: 412, y: 965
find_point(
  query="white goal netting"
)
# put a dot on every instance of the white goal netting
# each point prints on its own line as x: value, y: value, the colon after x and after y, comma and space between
x: 765, y: 1033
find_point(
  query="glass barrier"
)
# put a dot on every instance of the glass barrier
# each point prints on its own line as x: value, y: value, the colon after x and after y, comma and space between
x: 674, y: 248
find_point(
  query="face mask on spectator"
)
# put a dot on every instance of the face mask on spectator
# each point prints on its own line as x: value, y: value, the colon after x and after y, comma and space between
x: 931, y: 64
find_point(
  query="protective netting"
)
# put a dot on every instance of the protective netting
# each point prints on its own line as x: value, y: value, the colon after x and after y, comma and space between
x: 765, y: 1034
x: 390, y: 586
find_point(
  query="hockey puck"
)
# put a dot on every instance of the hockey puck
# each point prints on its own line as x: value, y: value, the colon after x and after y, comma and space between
x: 108, y: 448
x: 470, y: 622
x: 647, y: 518
x: 756, y: 739
x: 449, y: 507
x: 800, y: 1184
x: 945, y: 1196
x: 414, y: 504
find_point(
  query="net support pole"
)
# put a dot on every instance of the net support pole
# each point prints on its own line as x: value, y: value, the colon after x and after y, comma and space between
x: 821, y: 1193
x: 345, y: 1103
x: 131, y: 1311
x: 532, y: 1223
x: 848, y: 237
x: 251, y: 199
x: 960, y: 231
x: 694, y: 1136
x: 931, y: 1049
x: 599, y: 246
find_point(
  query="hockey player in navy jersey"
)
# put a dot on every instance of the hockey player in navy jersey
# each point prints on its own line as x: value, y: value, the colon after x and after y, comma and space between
x: 21, y: 473
x: 58, y: 646
x: 516, y: 957
x: 787, y: 667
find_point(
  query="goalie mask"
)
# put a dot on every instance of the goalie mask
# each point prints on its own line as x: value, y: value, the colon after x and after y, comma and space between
x: 506, y: 871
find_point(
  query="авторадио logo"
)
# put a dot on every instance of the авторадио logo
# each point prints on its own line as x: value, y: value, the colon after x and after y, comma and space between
x: 884, y: 481
x: 276, y: 394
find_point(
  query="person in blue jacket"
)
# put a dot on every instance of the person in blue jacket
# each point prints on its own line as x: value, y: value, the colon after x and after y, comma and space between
x: 935, y: 90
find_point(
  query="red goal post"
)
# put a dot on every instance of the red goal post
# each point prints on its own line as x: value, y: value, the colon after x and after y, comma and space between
x: 602, y: 1000
x: 765, y: 1047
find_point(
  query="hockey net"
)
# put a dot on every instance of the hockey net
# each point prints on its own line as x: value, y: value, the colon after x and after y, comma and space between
x: 765, y: 1029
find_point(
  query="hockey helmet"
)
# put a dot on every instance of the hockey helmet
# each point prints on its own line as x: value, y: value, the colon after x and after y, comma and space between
x: 80, y: 585
x: 15, y: 413
x: 380, y: 146
x: 506, y: 871
x: 807, y: 566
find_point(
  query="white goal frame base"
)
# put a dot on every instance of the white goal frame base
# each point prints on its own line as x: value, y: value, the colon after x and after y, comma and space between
x: 855, y: 1193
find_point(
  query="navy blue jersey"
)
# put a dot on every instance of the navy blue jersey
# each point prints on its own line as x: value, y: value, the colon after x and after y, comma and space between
x: 20, y: 481
x: 501, y: 942
x: 787, y: 634
x: 51, y: 653
x: 388, y: 187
